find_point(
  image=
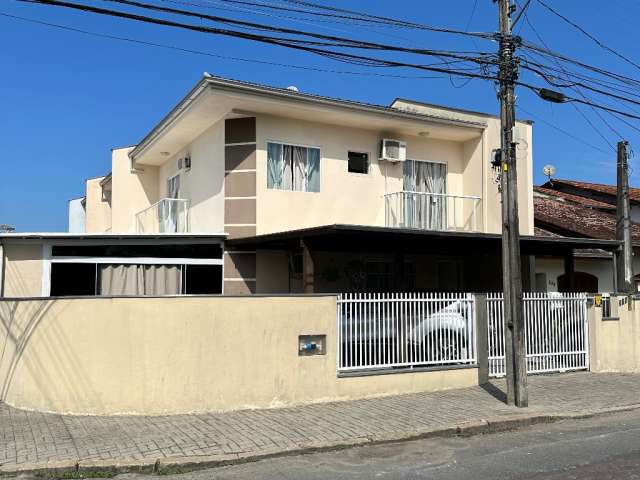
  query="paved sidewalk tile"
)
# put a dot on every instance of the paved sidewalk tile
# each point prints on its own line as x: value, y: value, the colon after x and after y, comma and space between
x: 32, y: 438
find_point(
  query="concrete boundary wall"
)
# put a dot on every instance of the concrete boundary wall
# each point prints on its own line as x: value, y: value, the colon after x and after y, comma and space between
x: 181, y: 354
x: 614, y: 343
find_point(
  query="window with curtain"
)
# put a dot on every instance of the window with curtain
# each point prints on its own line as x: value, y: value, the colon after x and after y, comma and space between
x: 425, y: 184
x: 291, y: 167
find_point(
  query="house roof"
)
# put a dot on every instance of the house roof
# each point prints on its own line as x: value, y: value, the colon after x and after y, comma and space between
x: 567, y: 218
x: 296, y: 98
x: 589, y: 187
x: 577, y: 199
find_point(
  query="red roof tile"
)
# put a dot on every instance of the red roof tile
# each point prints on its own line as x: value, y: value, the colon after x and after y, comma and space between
x: 634, y: 193
x: 570, y: 219
x: 585, y: 201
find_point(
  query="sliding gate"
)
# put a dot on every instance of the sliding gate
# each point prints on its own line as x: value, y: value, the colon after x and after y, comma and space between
x: 556, y: 332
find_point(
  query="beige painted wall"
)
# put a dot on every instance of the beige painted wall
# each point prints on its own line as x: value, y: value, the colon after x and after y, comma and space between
x: 344, y: 197
x: 22, y: 270
x: 177, y: 355
x: 600, y: 267
x: 203, y: 185
x: 615, y: 344
x: 132, y: 191
x: 523, y: 134
x: 98, y: 210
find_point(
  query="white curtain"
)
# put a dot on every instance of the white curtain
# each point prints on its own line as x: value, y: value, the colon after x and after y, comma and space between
x: 291, y: 167
x: 133, y: 279
x: 168, y: 211
x: 299, y: 162
x: 425, y: 211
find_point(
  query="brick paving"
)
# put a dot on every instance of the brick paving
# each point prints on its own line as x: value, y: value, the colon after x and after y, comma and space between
x: 34, y: 440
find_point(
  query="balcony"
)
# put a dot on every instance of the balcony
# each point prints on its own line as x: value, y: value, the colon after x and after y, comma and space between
x: 169, y: 215
x: 432, y: 211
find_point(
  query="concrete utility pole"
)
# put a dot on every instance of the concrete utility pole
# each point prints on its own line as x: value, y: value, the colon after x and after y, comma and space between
x: 623, y: 223
x: 511, y: 266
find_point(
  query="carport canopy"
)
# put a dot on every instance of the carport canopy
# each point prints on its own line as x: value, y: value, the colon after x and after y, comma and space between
x: 358, y: 238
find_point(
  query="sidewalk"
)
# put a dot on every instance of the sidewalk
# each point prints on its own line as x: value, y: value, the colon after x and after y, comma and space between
x: 31, y: 440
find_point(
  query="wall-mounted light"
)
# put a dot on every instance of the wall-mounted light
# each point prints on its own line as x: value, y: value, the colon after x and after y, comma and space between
x: 165, y: 154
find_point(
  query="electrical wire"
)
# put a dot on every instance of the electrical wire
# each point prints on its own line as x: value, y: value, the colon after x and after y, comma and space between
x: 214, y: 55
x: 580, y: 112
x: 588, y: 35
x: 341, y: 56
x: 556, y: 127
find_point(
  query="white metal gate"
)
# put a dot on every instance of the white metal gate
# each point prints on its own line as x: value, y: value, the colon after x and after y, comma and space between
x: 378, y: 331
x: 556, y: 332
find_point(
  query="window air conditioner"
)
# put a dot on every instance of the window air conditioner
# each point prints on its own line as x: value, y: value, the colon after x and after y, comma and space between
x: 184, y: 163
x: 393, y: 150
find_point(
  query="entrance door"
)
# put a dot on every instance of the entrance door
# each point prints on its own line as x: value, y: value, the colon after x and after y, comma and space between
x: 425, y: 186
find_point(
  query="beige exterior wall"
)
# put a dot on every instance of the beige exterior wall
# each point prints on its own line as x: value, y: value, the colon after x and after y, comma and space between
x: 344, y: 197
x: 132, y: 191
x: 98, y: 209
x: 614, y: 345
x: 358, y: 199
x: 203, y: 185
x: 22, y: 270
x: 182, y: 355
x: 523, y: 134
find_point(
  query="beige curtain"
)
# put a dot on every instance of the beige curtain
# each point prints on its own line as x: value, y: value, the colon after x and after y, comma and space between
x: 132, y: 279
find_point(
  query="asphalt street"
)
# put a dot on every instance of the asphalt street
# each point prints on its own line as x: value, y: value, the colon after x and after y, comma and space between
x: 605, y: 447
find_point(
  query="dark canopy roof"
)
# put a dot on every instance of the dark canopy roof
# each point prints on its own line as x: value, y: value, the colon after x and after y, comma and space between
x: 357, y: 238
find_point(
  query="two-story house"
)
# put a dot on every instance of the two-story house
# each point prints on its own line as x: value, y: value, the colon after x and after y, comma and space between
x: 243, y: 188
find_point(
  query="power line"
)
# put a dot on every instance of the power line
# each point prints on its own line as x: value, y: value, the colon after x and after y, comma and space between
x: 587, y: 34
x: 344, y: 42
x: 210, y: 54
x: 569, y: 134
x: 340, y: 56
x: 389, y: 20
x: 580, y: 112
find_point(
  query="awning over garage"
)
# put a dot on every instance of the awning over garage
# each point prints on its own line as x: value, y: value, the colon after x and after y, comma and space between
x: 357, y: 238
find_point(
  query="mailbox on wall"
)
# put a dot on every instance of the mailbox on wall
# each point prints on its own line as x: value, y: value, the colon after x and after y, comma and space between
x: 312, y: 345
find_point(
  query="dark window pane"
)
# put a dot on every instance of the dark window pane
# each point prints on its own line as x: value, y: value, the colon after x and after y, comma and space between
x: 202, y: 279
x: 71, y: 279
x: 358, y: 162
x: 160, y: 251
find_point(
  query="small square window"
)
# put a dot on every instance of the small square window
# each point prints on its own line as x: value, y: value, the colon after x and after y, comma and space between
x: 358, y: 162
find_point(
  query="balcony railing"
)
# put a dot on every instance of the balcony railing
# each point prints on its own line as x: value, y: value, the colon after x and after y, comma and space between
x: 169, y: 215
x: 432, y: 211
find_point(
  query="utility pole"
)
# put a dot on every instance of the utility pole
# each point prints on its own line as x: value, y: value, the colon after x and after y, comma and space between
x: 623, y: 222
x: 511, y: 263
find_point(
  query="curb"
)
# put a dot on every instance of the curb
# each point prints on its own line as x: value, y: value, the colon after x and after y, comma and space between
x: 86, y: 468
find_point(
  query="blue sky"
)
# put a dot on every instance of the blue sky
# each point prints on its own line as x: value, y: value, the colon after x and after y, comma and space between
x: 68, y: 98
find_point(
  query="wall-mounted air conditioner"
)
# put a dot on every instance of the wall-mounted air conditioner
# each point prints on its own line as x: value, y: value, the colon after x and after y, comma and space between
x: 184, y: 163
x: 393, y: 150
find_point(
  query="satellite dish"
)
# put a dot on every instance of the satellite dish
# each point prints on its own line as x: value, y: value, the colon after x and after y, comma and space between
x: 549, y: 171
x: 293, y: 88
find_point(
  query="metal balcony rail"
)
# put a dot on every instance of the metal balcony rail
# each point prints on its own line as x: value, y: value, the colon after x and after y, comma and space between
x: 432, y: 211
x: 169, y: 215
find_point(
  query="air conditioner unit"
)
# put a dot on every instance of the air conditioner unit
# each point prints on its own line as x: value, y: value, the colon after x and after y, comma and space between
x: 393, y: 150
x: 184, y: 163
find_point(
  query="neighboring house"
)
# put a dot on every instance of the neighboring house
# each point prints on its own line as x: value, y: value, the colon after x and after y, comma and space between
x: 244, y: 188
x: 568, y: 208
